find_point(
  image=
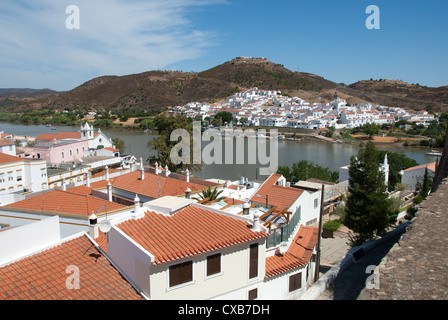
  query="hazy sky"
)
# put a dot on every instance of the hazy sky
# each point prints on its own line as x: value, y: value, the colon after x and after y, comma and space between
x: 117, y: 37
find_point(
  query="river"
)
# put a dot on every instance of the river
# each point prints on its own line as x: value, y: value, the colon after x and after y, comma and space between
x: 324, y: 154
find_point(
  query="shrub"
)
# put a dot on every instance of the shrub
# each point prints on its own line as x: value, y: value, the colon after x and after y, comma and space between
x: 332, y: 225
x: 418, y: 199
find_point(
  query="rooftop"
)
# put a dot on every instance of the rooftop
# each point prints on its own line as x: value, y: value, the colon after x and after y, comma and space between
x: 279, y: 196
x: 298, y: 254
x: 153, y: 186
x: 6, y: 158
x: 431, y: 166
x: 190, y: 231
x: 76, y: 202
x: 43, y: 276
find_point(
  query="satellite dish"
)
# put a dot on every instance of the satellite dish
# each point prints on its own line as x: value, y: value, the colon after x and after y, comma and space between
x: 283, y: 247
x: 105, y: 226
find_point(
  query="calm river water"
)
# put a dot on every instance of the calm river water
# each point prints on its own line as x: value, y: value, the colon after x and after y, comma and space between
x: 324, y: 154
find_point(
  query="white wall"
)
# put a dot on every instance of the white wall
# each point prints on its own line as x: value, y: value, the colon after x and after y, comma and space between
x: 30, y: 172
x: 309, y: 212
x: 19, y: 242
x: 410, y: 178
x: 131, y: 258
x: 233, y: 279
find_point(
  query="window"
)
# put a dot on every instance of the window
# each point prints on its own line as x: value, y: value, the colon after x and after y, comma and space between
x: 70, y: 152
x: 62, y: 153
x: 213, y: 264
x: 253, y: 261
x: 181, y: 273
x: 253, y: 294
x: 295, y: 282
x: 316, y: 202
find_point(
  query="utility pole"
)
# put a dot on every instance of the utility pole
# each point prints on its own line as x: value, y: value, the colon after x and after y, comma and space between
x: 319, y: 236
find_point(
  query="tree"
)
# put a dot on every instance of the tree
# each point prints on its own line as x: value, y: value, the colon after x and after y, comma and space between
x: 163, y: 144
x: 368, y: 209
x: 210, y: 194
x: 370, y: 129
x: 330, y: 132
x: 119, y: 144
x: 222, y: 117
x: 424, y: 186
x: 304, y: 170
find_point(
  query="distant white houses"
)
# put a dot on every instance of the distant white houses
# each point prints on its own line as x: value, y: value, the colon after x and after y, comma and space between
x: 270, y: 109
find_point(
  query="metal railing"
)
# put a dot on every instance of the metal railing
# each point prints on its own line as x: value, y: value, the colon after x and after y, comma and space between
x: 281, y: 234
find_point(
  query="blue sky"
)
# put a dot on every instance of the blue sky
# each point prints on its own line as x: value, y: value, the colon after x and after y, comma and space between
x: 117, y: 37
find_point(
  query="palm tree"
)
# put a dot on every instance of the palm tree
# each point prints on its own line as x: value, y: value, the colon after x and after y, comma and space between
x: 210, y: 194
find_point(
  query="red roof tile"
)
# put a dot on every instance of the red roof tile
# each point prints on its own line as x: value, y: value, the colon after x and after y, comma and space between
x: 190, y: 231
x: 59, y: 136
x: 298, y: 254
x: 58, y: 201
x: 279, y: 196
x: 43, y: 275
x: 5, y: 142
x: 150, y: 185
x: 6, y: 158
x: 430, y: 166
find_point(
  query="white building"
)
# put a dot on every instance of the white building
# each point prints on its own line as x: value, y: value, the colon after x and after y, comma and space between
x: 176, y: 249
x: 8, y: 147
x: 18, y: 175
x: 412, y: 176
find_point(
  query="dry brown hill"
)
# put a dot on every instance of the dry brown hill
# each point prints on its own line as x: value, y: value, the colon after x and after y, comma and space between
x: 155, y: 89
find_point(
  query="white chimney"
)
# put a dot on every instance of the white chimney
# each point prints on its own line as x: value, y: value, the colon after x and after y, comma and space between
x: 157, y: 167
x: 64, y: 187
x: 167, y: 173
x: 107, y: 173
x: 246, y: 209
x: 93, y: 226
x: 188, y: 193
x: 142, y: 173
x: 256, y: 224
x: 109, y: 191
x: 136, y: 204
x: 88, y: 179
x: 187, y: 175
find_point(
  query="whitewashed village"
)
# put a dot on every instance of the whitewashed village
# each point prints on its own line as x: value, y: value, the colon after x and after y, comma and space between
x: 269, y: 108
x: 82, y: 222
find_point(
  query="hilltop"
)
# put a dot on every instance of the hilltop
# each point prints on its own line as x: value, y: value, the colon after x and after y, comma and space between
x: 159, y: 89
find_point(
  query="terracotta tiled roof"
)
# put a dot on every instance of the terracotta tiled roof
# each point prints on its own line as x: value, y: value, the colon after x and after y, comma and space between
x: 188, y: 232
x: 150, y: 185
x: 430, y: 166
x: 279, y: 196
x: 5, y: 142
x: 58, y: 201
x: 298, y: 254
x: 82, y: 190
x: 6, y: 158
x: 59, y: 136
x: 43, y: 275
